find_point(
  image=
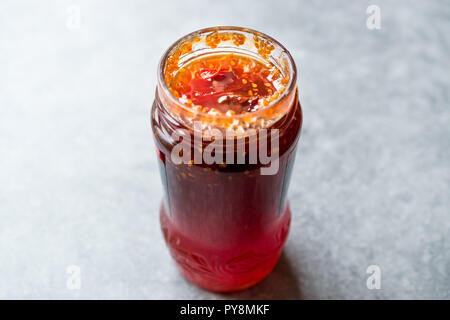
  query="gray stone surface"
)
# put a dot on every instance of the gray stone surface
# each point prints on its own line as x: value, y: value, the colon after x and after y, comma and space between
x: 78, y: 177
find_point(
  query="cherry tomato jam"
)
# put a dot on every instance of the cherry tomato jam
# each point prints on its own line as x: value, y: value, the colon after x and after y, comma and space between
x: 225, y: 84
x: 225, y: 222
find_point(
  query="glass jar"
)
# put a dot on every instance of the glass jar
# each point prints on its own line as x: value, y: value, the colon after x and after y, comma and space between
x: 225, y: 222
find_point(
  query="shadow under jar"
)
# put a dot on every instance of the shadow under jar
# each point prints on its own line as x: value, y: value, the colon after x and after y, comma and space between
x: 226, y: 93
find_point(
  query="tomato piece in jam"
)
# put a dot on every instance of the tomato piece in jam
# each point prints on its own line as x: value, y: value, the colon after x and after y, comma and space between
x: 225, y: 83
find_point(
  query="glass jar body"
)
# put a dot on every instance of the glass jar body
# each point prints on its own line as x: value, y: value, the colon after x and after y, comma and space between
x: 225, y: 224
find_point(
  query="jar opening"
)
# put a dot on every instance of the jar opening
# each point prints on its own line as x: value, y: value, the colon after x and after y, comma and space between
x: 230, y: 42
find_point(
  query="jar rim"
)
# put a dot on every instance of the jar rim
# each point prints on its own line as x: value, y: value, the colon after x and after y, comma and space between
x: 291, y: 85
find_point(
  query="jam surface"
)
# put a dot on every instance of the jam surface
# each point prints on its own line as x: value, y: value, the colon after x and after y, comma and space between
x: 227, y: 83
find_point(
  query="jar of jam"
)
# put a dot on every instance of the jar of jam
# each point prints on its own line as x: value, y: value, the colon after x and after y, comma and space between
x: 226, y: 120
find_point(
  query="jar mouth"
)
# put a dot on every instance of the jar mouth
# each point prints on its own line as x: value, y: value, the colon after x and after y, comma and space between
x: 282, y: 57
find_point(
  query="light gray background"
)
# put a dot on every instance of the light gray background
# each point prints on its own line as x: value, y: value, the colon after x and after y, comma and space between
x: 78, y: 177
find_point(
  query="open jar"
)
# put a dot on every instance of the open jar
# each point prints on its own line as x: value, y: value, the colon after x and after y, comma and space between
x: 226, y: 120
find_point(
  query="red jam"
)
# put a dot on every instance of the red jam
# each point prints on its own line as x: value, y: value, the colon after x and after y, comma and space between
x: 224, y: 223
x: 225, y: 84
